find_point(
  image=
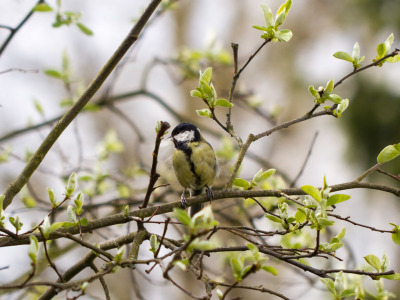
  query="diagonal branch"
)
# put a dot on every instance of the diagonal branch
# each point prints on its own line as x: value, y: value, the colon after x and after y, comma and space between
x: 63, y: 123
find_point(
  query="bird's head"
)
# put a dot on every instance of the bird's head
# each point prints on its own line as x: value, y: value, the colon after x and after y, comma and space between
x: 185, y: 133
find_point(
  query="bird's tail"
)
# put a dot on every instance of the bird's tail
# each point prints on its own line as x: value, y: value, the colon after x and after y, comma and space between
x: 194, y: 209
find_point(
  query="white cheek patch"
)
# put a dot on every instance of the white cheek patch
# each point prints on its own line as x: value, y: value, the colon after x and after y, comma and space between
x: 185, y: 136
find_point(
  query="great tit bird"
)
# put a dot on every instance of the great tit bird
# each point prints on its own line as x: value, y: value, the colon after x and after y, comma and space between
x: 194, y: 162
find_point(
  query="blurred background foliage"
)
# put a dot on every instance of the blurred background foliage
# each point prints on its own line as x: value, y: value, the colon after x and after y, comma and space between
x: 197, y: 34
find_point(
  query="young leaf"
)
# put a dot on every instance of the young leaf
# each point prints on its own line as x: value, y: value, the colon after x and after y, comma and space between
x: 182, y: 217
x: 373, y: 261
x: 270, y: 269
x: 273, y: 218
x: 71, y: 185
x: 356, y: 52
x: 264, y: 176
x: 334, y: 199
x: 204, y: 113
x: 312, y: 191
x: 388, y: 153
x: 223, y: 103
x: 268, y: 17
x: 241, y: 183
x: 237, y: 268
x: 42, y: 7
x: 33, y: 247
x: 343, y: 55
x: 84, y: 29
x: 53, y: 73
x: 206, y: 76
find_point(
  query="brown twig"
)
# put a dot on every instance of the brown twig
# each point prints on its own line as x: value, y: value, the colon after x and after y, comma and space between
x: 164, y: 126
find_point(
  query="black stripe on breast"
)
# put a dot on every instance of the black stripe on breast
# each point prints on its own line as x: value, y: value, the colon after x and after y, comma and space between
x: 188, y: 152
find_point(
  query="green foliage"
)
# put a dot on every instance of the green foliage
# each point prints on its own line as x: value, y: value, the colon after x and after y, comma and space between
x: 71, y: 185
x: 110, y: 144
x: 227, y: 150
x: 355, y: 58
x: 16, y: 223
x: 120, y: 254
x: 249, y: 261
x: 33, y: 248
x: 317, y: 202
x: 48, y: 228
x: 203, y: 220
x: 337, y: 288
x: 2, y: 216
x: 335, y: 243
x: 52, y: 197
x: 396, y: 233
x: 79, y: 204
x: 259, y: 178
x: 191, y: 60
x: 4, y: 154
x: 388, y: 153
x: 64, y: 18
x: 325, y: 93
x: 270, y: 29
x: 208, y: 94
x: 383, y: 49
x: 154, y: 243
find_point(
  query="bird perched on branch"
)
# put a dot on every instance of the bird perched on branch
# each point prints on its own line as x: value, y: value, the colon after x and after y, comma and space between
x: 194, y: 162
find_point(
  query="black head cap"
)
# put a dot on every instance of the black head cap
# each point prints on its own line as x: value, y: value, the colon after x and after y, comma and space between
x: 182, y: 128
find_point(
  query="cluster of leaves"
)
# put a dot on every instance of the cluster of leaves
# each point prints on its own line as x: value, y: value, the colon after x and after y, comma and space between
x: 259, y: 178
x: 213, y: 54
x: 64, y: 18
x: 249, y: 261
x: 271, y: 31
x: 316, y: 204
x: 382, y: 50
x: 325, y: 93
x: 208, y: 94
x: 200, y: 224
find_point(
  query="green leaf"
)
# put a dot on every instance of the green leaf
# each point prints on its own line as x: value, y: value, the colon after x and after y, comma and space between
x: 335, y: 98
x: 223, y: 103
x: 314, y: 92
x: 325, y: 222
x: 395, y: 276
x: 389, y: 42
x: 202, y: 245
x: 334, y: 199
x: 280, y: 19
x: 71, y: 214
x: 381, y: 50
x: 71, y: 185
x: 274, y: 218
x: 329, y: 87
x: 196, y: 93
x: 393, y: 59
x: 84, y: 222
x: 154, y: 244
x: 182, y: 217
x: 206, y: 76
x: 312, y: 191
x: 53, y: 73
x: 268, y: 16
x: 270, y: 269
x: 356, y: 52
x: 33, y: 247
x: 300, y: 216
x: 204, y: 113
x: 343, y: 55
x: 330, y: 285
x: 388, y: 153
x: 264, y: 176
x: 42, y: 7
x: 237, y: 267
x: 284, y: 35
x: 259, y: 27
x: 84, y: 29
x: 241, y: 183
x: 373, y: 261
